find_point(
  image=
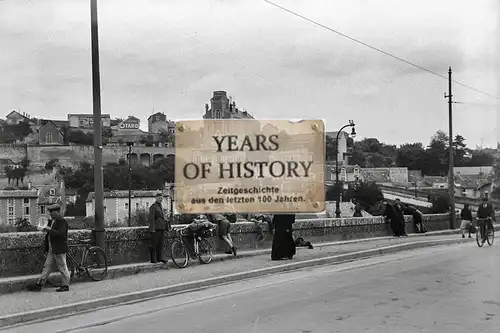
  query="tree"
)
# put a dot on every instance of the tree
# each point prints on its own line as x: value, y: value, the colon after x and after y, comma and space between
x: 107, y: 134
x: 479, y: 158
x: 459, y: 151
x: 366, y: 193
x: 166, y: 137
x: 147, y: 140
x: 331, y: 149
x: 81, y: 138
x: 50, y: 165
x: 332, y: 192
x: 15, y: 132
x: 440, y: 204
x: 435, y: 162
x: 411, y: 155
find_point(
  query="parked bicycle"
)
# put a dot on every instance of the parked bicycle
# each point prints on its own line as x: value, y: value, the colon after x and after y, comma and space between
x: 483, y: 227
x: 191, y: 244
x: 93, y: 262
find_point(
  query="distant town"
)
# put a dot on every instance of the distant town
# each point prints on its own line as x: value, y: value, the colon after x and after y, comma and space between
x: 46, y: 161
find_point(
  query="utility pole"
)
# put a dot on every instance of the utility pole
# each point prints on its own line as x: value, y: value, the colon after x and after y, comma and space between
x: 130, y: 144
x: 98, y: 232
x: 451, y: 174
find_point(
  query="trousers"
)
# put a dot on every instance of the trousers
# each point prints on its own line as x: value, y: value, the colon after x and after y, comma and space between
x: 57, y: 261
x: 157, y: 246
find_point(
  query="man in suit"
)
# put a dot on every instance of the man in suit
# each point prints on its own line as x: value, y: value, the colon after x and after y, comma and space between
x: 56, y: 247
x: 157, y: 227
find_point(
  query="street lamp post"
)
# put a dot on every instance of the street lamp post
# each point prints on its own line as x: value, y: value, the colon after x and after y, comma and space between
x: 353, y: 134
x: 130, y: 144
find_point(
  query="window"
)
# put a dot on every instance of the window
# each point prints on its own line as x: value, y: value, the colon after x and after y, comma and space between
x: 42, y: 209
x: 52, y: 191
x: 217, y: 114
x: 26, y: 201
x: 126, y: 205
x: 11, y: 211
x: 10, y: 202
x: 136, y: 205
x: 48, y: 138
x: 26, y: 211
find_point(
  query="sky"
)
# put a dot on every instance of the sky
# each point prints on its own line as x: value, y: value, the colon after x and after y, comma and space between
x: 170, y: 55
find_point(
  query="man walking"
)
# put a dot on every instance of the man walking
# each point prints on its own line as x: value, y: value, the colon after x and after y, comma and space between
x: 56, y: 247
x: 157, y: 227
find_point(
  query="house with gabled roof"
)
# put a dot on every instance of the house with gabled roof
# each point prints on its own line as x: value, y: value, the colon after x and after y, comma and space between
x: 50, y: 134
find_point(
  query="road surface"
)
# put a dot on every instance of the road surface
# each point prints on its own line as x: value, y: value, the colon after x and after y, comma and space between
x: 440, y: 289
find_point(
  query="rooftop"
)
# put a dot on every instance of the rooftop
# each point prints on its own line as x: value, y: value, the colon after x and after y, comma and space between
x: 18, y: 193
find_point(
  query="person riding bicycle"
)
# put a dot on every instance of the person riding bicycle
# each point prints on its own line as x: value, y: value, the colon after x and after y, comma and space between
x: 486, y: 211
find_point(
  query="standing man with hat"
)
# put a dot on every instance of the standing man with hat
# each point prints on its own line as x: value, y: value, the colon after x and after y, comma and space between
x: 157, y: 227
x: 56, y: 247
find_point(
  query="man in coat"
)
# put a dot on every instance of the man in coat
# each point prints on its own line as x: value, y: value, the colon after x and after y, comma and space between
x: 56, y: 247
x: 157, y: 227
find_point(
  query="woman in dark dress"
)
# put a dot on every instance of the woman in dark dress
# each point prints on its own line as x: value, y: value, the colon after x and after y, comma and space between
x: 283, y: 243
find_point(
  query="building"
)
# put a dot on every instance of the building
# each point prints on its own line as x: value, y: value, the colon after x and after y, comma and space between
x: 86, y: 121
x: 49, y: 195
x: 19, y: 204
x: 50, y: 134
x: 14, y: 118
x: 128, y: 131
x: 71, y: 195
x: 116, y: 204
x: 222, y: 107
x: 158, y: 122
x: 342, y: 154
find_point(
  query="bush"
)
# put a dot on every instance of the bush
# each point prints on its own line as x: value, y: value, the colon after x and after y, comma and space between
x: 440, y: 204
x: 333, y: 191
x: 51, y: 164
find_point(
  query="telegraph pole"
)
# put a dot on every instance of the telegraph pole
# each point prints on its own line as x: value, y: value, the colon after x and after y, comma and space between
x: 451, y: 174
x: 98, y: 232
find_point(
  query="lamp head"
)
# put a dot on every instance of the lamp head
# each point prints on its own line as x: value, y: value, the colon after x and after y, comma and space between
x: 353, y: 132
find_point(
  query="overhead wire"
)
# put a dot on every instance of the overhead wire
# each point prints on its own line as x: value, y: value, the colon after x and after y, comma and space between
x: 377, y: 49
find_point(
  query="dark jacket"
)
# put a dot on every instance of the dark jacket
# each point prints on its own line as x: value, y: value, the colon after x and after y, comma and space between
x: 486, y: 210
x: 390, y: 212
x: 156, y: 218
x: 466, y: 214
x: 58, y: 236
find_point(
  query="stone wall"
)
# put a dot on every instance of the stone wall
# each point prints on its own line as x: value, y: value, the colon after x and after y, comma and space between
x: 73, y: 155
x: 13, y: 152
x: 22, y: 253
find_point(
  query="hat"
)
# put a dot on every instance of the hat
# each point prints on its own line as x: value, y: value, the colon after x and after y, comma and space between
x: 53, y: 207
x: 158, y: 195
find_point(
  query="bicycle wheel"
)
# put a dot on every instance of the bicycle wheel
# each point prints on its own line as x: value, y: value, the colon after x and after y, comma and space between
x: 478, y: 237
x: 95, y: 262
x: 179, y: 254
x: 205, y: 251
x: 491, y: 236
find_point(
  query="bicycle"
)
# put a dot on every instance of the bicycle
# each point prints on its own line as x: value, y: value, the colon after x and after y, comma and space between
x: 181, y: 251
x: 490, y: 233
x: 92, y: 258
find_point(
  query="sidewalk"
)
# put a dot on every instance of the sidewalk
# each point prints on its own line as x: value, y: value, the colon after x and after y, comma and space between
x: 248, y: 261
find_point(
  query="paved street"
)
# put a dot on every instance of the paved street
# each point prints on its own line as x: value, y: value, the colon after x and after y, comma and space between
x: 440, y: 289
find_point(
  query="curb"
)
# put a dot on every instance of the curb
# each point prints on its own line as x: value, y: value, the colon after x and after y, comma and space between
x: 16, y: 284
x: 92, y: 305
